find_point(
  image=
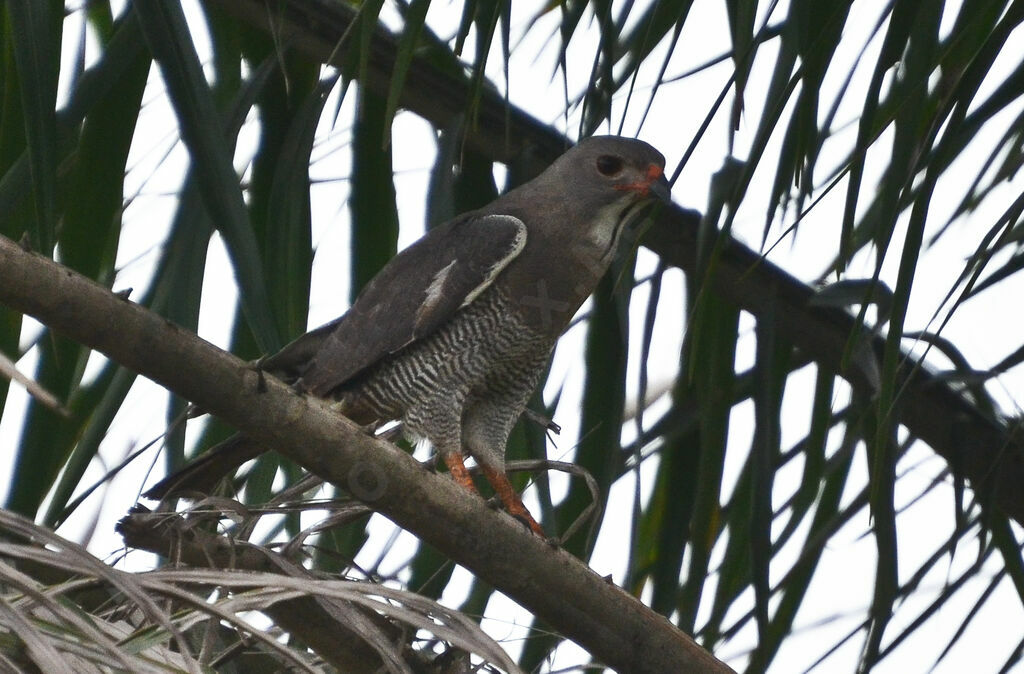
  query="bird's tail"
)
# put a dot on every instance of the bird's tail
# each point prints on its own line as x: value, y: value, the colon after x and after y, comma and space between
x: 203, y: 474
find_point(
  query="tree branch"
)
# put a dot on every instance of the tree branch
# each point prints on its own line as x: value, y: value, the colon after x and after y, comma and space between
x: 306, y: 618
x: 609, y: 623
x: 978, y: 447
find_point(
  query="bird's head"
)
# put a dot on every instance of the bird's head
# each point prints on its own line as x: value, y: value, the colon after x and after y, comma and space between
x: 574, y: 214
x: 605, y: 182
x: 602, y: 170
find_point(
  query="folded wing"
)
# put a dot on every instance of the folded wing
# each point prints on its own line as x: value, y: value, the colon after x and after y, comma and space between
x: 416, y: 293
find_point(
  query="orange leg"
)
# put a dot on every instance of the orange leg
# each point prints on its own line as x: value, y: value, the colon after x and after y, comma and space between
x: 513, y: 503
x: 459, y: 472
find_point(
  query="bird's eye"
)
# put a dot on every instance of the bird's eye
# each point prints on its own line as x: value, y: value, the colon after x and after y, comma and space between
x: 610, y: 166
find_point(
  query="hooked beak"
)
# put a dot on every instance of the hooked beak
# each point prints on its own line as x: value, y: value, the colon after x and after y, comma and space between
x: 654, y: 183
x: 659, y: 186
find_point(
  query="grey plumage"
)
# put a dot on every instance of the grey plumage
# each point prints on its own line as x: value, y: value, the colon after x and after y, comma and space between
x: 452, y: 335
x: 466, y: 383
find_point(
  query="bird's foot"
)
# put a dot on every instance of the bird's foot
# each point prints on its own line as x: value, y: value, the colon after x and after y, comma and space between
x: 513, y: 503
x: 525, y: 518
x: 529, y: 523
x: 533, y: 525
x: 457, y: 467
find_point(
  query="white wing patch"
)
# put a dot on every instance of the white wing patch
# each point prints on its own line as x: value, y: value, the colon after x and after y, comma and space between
x: 435, y: 291
x: 517, y: 247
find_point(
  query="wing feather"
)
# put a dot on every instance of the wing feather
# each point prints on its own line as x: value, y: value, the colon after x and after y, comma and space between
x: 416, y: 293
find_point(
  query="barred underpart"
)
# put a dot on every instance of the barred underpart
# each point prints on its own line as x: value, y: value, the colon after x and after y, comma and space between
x: 465, y: 385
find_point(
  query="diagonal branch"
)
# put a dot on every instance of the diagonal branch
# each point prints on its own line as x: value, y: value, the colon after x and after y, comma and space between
x: 977, y: 446
x: 605, y: 620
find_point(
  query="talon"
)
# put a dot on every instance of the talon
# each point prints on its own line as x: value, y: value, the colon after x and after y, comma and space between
x: 513, y: 503
x: 522, y: 520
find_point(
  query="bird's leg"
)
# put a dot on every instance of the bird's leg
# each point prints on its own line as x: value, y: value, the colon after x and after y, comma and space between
x: 508, y: 495
x: 457, y: 468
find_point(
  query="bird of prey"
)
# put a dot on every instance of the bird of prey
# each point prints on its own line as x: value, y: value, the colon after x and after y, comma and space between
x: 452, y: 335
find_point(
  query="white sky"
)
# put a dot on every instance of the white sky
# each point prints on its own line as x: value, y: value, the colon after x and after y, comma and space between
x: 842, y: 588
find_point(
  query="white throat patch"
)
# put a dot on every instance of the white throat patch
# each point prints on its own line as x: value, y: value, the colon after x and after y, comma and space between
x: 606, y: 228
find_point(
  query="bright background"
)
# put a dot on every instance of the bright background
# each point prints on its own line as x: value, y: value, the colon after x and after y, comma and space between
x: 842, y: 589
